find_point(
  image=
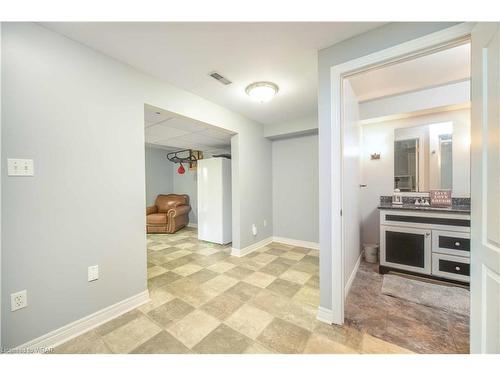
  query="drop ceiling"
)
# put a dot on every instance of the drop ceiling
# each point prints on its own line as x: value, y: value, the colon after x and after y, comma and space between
x: 184, y: 53
x: 174, y: 132
x: 446, y: 66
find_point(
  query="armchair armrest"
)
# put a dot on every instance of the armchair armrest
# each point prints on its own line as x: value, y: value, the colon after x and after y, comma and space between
x: 151, y: 210
x: 179, y: 210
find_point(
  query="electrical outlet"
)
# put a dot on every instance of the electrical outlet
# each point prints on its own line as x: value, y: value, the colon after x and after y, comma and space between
x: 254, y: 229
x: 18, y: 300
x: 20, y: 167
x: 93, y: 273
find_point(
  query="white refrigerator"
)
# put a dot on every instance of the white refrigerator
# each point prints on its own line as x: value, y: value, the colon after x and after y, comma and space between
x: 214, y: 200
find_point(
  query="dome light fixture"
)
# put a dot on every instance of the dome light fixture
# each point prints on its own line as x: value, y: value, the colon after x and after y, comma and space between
x: 262, y: 91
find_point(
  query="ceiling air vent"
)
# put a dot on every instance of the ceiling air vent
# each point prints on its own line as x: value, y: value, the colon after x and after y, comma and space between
x: 220, y: 78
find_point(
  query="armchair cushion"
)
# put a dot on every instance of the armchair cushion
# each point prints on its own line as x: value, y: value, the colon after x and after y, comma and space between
x: 166, y: 202
x: 151, y: 210
x: 157, y: 219
x: 179, y: 210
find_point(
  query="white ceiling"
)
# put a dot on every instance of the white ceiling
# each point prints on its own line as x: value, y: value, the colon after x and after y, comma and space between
x: 184, y: 53
x: 172, y: 131
x: 436, y: 69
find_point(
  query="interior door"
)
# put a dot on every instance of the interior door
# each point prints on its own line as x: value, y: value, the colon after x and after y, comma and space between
x: 351, y: 181
x: 485, y: 186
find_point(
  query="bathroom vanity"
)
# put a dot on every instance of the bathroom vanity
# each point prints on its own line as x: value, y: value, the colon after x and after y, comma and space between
x: 429, y: 241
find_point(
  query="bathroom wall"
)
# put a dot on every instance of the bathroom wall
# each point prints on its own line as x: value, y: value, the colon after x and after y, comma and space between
x: 378, y: 174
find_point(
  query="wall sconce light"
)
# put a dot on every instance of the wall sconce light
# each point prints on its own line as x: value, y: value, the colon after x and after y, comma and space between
x: 375, y: 156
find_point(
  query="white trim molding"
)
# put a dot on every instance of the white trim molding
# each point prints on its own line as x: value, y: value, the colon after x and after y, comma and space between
x: 76, y: 328
x: 353, y: 275
x: 325, y: 315
x: 299, y: 243
x: 247, y: 250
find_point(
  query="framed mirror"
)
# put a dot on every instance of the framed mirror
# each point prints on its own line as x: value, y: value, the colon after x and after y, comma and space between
x: 423, y: 157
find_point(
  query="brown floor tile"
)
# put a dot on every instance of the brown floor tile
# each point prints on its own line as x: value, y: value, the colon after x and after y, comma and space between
x: 170, y: 312
x: 238, y: 272
x: 162, y: 343
x: 87, y: 343
x: 162, y: 279
x: 286, y: 288
x: 223, y: 340
x: 117, y: 322
x: 203, y: 275
x: 243, y: 291
x: 222, y: 306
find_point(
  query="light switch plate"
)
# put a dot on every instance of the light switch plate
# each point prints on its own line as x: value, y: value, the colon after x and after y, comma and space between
x: 93, y: 273
x: 20, y: 167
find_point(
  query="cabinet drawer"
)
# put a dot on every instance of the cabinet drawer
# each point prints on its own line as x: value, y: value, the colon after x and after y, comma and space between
x: 452, y: 243
x: 451, y: 267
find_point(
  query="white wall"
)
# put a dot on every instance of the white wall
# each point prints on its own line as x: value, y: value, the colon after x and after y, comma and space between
x: 451, y: 94
x: 159, y: 174
x: 80, y: 115
x: 300, y: 126
x: 378, y: 174
x: 295, y: 188
x: 375, y: 40
x: 187, y: 184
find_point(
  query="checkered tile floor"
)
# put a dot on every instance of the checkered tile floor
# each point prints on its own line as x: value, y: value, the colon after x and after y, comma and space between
x: 203, y: 300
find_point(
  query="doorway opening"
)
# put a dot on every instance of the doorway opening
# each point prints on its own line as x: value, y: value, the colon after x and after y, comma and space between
x: 405, y: 199
x: 188, y: 193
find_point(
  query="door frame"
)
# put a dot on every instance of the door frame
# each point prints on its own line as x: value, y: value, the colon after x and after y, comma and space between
x: 401, y: 52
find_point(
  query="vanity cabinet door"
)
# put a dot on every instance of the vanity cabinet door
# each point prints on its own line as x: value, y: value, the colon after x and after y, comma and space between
x: 406, y: 249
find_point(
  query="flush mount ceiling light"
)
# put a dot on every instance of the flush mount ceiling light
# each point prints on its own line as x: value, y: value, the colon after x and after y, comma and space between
x: 262, y: 91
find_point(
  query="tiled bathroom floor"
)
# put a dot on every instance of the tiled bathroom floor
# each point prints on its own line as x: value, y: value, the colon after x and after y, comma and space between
x: 203, y: 300
x: 413, y: 326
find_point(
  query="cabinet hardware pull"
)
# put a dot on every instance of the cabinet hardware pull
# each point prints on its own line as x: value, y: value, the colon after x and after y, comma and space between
x: 457, y: 268
x: 457, y: 243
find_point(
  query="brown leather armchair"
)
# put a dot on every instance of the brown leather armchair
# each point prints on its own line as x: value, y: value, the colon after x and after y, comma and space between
x: 169, y: 214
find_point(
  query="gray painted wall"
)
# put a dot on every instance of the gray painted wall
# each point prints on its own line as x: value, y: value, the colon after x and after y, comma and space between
x: 159, y: 174
x: 383, y: 37
x: 187, y: 184
x: 295, y: 188
x: 80, y: 115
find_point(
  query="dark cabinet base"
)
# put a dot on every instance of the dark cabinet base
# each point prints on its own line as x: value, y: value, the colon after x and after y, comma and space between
x: 384, y: 269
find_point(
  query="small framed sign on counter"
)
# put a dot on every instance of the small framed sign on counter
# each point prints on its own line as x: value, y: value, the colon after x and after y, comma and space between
x: 440, y: 198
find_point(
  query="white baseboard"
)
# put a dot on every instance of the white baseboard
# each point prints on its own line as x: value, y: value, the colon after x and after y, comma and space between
x: 76, y: 328
x: 192, y: 225
x: 325, y: 315
x: 247, y: 250
x: 299, y: 243
x: 353, y: 276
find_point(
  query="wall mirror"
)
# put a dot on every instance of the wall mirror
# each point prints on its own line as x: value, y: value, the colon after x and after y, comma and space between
x: 423, y: 157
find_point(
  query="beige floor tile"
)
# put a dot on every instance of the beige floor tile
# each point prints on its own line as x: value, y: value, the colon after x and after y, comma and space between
x: 207, y: 251
x: 163, y: 279
x: 198, y: 296
x: 158, y: 247
x: 307, y: 295
x: 243, y: 291
x: 221, y: 267
x: 223, y: 340
x: 113, y: 324
x: 155, y: 271
x: 158, y: 296
x: 177, y: 254
x: 257, y: 348
x: 193, y: 328
x: 295, y: 276
x: 87, y: 343
x: 292, y: 255
x: 318, y: 344
x: 220, y: 283
x: 284, y: 337
x: 260, y: 279
x: 187, y: 269
x: 131, y: 335
x: 249, y: 320
x: 203, y: 275
x: 264, y: 258
x: 284, y: 287
x: 238, y: 272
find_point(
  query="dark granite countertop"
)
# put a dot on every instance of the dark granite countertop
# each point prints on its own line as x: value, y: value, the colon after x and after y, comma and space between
x: 456, y: 209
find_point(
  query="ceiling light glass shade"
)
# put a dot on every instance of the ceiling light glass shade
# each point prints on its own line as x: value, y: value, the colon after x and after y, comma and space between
x: 262, y: 91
